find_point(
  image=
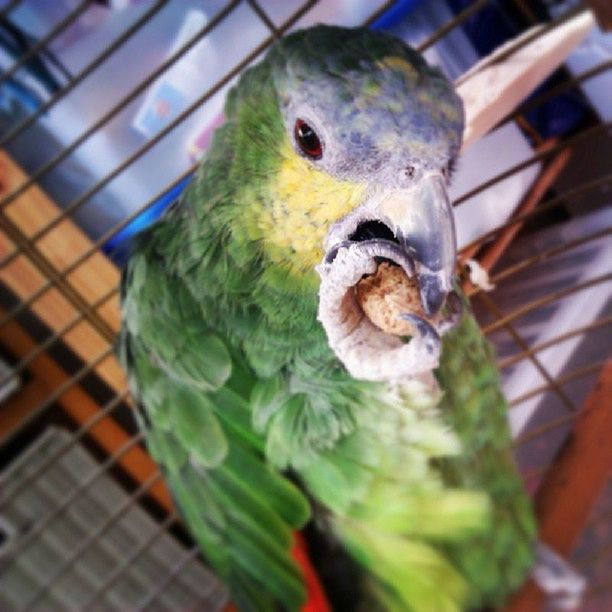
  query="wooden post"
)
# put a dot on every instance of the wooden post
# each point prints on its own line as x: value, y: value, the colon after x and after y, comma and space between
x: 94, y: 278
x: 489, y: 255
x: 22, y: 403
x: 603, y: 13
x: 573, y: 483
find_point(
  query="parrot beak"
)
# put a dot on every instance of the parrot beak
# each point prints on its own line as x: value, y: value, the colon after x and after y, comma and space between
x: 422, y: 221
x: 410, y: 228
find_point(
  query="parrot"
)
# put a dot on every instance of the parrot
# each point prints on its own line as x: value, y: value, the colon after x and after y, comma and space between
x: 273, y: 404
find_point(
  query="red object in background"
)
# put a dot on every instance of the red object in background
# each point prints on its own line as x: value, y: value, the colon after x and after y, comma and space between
x: 316, y: 602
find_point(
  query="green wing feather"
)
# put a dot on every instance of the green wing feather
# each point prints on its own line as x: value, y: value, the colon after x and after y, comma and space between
x: 197, y: 421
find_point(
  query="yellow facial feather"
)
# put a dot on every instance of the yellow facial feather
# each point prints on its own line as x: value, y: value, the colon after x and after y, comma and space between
x: 304, y: 202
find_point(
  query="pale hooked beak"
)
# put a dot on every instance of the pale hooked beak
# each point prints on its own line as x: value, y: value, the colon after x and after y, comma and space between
x: 413, y: 229
x: 422, y: 221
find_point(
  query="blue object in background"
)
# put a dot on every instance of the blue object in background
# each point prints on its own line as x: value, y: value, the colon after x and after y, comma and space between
x: 492, y: 26
x: 119, y: 246
x: 167, y: 103
x: 394, y: 14
x: 487, y: 28
x: 562, y: 114
x: 15, y: 43
x: 12, y: 92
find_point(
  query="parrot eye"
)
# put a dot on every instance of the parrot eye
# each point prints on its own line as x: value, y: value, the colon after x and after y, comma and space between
x: 308, y: 140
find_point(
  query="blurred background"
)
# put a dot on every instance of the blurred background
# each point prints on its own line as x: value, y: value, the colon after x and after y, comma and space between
x: 106, y: 107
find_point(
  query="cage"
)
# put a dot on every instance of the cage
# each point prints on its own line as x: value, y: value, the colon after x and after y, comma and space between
x: 106, y: 108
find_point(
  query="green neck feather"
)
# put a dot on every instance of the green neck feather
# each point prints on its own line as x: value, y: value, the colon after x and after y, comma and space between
x: 260, y: 304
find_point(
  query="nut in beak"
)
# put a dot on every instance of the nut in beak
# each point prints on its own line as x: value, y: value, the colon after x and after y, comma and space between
x: 387, y: 273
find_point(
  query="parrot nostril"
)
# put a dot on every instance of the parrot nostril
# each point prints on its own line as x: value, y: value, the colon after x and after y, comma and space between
x: 409, y: 172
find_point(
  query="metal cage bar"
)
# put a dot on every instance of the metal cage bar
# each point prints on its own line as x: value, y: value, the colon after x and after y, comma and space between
x: 561, y: 380
x: 48, y: 38
x: 57, y: 393
x: 493, y: 308
x: 552, y: 297
x: 118, y: 572
x: 21, y: 127
x: 92, y: 538
x: 170, y: 576
x: 118, y: 107
x: 577, y: 331
x: 76, y: 437
x: 9, y: 7
x: 83, y: 485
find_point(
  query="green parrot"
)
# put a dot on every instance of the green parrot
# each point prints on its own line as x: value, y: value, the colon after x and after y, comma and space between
x: 268, y: 397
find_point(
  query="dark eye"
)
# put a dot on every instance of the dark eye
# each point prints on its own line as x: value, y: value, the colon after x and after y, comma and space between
x: 308, y: 140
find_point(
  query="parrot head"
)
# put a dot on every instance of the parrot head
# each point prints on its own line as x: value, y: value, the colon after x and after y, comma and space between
x: 351, y: 137
x: 342, y: 143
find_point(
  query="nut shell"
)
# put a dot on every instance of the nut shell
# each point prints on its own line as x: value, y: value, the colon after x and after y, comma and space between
x: 388, y: 293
